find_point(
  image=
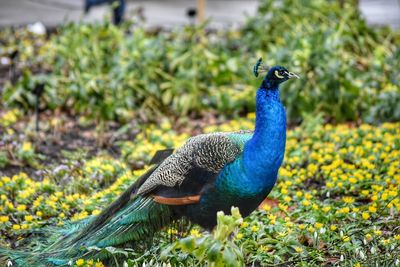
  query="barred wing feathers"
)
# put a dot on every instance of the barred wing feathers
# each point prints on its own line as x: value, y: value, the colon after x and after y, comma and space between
x: 194, y: 165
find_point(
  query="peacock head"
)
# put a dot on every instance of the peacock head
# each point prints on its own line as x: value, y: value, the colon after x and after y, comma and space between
x: 275, y: 75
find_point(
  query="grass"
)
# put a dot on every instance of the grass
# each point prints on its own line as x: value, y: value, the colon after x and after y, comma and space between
x: 336, y: 201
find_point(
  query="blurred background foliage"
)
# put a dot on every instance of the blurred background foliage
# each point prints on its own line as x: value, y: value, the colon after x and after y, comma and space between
x: 349, y: 71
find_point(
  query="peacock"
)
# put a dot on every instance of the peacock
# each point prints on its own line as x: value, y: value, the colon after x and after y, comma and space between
x: 209, y: 173
x: 118, y: 8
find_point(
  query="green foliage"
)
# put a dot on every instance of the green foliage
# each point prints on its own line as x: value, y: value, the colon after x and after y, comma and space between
x: 109, y: 74
x: 348, y: 70
x: 16, y: 149
x: 3, y: 159
x: 26, y: 153
x: 215, y: 249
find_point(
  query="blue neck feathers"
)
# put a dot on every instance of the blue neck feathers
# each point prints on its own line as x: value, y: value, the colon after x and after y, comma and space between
x: 264, y: 152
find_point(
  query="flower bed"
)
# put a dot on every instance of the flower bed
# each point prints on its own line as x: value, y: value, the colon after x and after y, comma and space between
x: 336, y: 199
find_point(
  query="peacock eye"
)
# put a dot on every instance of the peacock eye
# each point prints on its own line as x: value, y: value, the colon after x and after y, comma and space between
x: 277, y: 74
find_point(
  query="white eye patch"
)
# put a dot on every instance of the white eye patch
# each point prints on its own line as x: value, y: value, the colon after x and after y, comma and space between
x: 278, y: 75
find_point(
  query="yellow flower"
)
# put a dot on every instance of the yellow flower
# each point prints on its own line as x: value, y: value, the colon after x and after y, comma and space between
x: 372, y: 209
x: 96, y: 212
x: 318, y: 225
x: 333, y: 227
x: 365, y: 215
x: 298, y: 249
x: 271, y: 217
x: 172, y: 231
x: 251, y: 115
x: 4, y: 219
x: 365, y: 192
x: 239, y: 236
x: 21, y: 207
x: 346, y: 238
x: 264, y: 248
x: 385, y: 241
x: 266, y: 207
x: 302, y: 226
x: 9, y: 205
x: 287, y: 199
x: 348, y: 200
x: 368, y: 237
x: 80, y: 262
x: 378, y: 232
x: 353, y: 180
x: 308, y: 196
x: 108, y: 167
x: 299, y: 193
x: 28, y: 218
x: 26, y: 146
x: 16, y: 227
x: 329, y: 185
x: 99, y: 264
x: 345, y: 210
x: 283, y: 207
x: 357, y: 264
x: 39, y: 213
x: 6, y: 179
x: 326, y: 209
x: 288, y: 224
x: 306, y: 203
x: 254, y: 228
x: 195, y: 233
x: 244, y: 224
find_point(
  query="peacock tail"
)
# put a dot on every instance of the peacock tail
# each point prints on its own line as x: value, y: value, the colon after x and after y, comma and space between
x: 130, y: 218
x: 139, y: 220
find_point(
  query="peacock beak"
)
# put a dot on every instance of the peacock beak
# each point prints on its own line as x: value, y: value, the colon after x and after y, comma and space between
x: 293, y: 75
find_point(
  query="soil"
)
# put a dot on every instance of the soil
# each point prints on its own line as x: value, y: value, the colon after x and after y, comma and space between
x: 69, y: 135
x: 51, y: 143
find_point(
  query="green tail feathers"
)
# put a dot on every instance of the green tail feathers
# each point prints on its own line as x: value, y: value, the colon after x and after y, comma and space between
x: 138, y: 219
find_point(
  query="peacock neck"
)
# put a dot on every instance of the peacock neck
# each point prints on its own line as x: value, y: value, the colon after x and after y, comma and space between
x: 267, y: 103
x: 263, y: 153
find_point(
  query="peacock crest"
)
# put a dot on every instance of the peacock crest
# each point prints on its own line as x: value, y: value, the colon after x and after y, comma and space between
x: 260, y: 67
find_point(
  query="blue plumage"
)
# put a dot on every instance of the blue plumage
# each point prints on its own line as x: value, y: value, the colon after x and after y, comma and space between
x: 246, y: 181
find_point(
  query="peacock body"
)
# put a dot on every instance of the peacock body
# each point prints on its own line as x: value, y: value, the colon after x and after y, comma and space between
x: 211, y: 172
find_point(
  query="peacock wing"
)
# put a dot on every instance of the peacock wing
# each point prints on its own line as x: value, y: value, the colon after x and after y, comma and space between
x: 181, y: 178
